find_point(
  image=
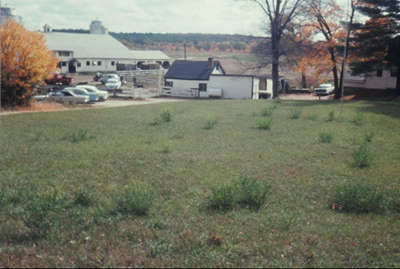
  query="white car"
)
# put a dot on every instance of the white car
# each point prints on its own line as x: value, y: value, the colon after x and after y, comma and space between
x: 103, y: 95
x: 106, y: 77
x: 80, y: 91
x: 113, y: 84
x: 325, y: 89
x: 68, y: 97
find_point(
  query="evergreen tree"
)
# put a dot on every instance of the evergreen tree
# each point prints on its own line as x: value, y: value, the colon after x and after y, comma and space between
x: 376, y: 43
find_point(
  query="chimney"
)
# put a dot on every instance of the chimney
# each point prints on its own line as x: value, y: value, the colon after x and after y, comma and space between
x: 210, y: 62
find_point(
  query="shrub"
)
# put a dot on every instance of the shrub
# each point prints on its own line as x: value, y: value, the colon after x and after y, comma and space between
x: 394, y: 201
x: 265, y: 124
x: 295, y: 114
x: 362, y: 156
x: 135, y: 199
x: 156, y: 121
x: 359, y: 198
x: 79, y: 136
x: 325, y: 137
x: 313, y: 117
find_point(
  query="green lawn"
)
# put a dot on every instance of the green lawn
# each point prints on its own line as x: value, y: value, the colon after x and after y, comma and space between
x: 71, y: 182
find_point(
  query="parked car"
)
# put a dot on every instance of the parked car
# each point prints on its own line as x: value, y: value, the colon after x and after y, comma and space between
x: 113, y: 84
x: 104, y: 78
x: 68, y: 97
x: 59, y: 79
x: 79, y: 91
x: 103, y: 95
x: 325, y: 89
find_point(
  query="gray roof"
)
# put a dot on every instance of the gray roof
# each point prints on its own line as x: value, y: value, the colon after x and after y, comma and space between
x: 192, y: 70
x: 149, y: 55
x: 87, y: 45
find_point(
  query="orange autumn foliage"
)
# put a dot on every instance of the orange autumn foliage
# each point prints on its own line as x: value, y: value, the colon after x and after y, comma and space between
x: 25, y: 62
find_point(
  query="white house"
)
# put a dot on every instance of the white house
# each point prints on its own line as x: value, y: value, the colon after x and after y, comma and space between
x: 208, y: 79
x: 9, y: 13
x: 94, y: 52
x: 380, y: 80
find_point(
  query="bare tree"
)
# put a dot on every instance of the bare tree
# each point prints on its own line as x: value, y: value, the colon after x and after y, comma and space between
x: 279, y: 16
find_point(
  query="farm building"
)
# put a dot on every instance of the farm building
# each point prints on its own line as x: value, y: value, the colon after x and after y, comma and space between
x: 208, y: 79
x: 380, y: 80
x: 97, y: 51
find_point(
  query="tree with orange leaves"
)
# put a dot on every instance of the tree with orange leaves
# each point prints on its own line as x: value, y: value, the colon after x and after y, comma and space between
x: 25, y: 62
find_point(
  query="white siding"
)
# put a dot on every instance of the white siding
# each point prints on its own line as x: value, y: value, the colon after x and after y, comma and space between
x: 374, y: 82
x: 233, y: 87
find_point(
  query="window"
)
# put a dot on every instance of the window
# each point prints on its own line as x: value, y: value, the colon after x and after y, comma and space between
x: 379, y: 73
x: 94, y: 63
x: 63, y: 63
x: 87, y: 63
x: 202, y: 87
x: 99, y: 63
x: 79, y: 64
x: 63, y: 53
x: 169, y: 84
x: 112, y: 63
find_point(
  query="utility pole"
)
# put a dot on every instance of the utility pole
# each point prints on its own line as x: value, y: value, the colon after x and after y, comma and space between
x: 184, y: 45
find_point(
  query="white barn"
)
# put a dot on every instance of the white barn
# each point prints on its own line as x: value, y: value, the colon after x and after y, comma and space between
x: 208, y: 79
x: 94, y: 52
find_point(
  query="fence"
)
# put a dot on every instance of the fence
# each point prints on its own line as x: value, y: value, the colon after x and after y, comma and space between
x: 179, y: 92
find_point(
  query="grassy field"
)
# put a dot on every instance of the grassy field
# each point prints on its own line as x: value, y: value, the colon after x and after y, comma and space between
x: 159, y: 186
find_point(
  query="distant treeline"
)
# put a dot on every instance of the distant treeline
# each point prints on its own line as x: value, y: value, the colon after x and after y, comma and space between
x: 199, y: 42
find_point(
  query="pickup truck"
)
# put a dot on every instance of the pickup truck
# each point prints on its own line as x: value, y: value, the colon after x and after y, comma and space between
x: 59, y: 79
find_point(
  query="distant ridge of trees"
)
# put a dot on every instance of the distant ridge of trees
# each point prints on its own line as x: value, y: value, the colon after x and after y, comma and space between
x: 176, y: 41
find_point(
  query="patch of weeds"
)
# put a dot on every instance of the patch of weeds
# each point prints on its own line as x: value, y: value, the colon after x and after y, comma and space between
x: 268, y: 111
x: 358, y: 118
x: 368, y: 135
x: 209, y: 124
x: 222, y: 198
x: 155, y: 121
x: 362, y: 155
x: 295, y: 114
x: 166, y: 149
x: 331, y: 115
x: 325, y: 137
x: 252, y: 192
x: 159, y: 248
x: 42, y: 212
x: 134, y: 199
x: 166, y: 115
x: 394, y: 201
x: 156, y: 224
x: 286, y: 221
x: 313, y: 117
x: 83, y: 196
x: 264, y: 124
x: 245, y: 192
x: 79, y: 136
x: 277, y: 100
x: 359, y: 198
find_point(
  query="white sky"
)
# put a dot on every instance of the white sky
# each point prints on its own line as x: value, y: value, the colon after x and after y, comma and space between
x: 144, y: 16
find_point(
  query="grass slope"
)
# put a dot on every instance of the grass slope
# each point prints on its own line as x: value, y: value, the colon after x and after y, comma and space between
x: 63, y: 173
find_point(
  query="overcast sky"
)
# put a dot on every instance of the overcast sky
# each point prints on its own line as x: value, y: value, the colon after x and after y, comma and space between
x: 144, y: 16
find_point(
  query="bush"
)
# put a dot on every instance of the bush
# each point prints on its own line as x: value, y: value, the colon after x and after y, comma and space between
x: 359, y: 198
x: 394, y: 201
x: 358, y: 118
x: 325, y: 137
x: 267, y: 111
x: 245, y: 192
x: 135, y: 199
x: 368, y: 135
x: 265, y: 124
x: 362, y: 156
